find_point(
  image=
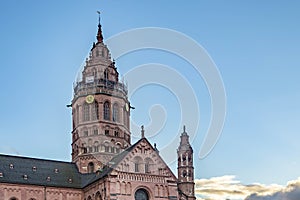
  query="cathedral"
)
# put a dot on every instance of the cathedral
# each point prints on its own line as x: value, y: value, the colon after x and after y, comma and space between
x: 105, y: 165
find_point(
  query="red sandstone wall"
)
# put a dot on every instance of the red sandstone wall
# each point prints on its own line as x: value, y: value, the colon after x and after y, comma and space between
x: 25, y: 192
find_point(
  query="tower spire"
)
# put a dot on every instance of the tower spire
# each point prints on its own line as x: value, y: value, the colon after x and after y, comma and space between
x: 99, y: 34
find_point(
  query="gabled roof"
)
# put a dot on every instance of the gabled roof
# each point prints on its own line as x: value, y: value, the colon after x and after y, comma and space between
x: 115, y: 161
x: 34, y: 171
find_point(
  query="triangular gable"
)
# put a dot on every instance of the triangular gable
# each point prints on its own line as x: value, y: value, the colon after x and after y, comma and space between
x: 145, y: 156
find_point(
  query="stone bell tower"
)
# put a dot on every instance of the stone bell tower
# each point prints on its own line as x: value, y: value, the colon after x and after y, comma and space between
x: 100, y: 111
x: 186, y: 185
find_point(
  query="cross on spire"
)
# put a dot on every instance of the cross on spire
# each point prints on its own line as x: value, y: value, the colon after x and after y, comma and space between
x: 142, y: 131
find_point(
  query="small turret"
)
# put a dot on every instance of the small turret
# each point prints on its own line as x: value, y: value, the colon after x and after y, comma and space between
x: 185, y: 168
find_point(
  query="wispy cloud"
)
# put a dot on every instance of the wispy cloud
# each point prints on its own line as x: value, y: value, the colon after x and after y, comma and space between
x: 290, y: 192
x: 228, y: 187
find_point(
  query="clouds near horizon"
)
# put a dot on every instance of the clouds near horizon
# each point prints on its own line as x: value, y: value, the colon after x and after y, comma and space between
x: 290, y: 192
x: 229, y: 188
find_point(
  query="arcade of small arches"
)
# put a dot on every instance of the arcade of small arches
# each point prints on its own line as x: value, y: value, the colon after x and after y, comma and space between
x: 111, y: 112
x: 139, y: 166
x: 95, y: 147
x: 185, y: 159
x: 114, y: 132
x: 186, y: 173
x: 143, y: 165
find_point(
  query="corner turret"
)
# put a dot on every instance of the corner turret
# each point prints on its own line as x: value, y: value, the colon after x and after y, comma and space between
x: 186, y: 185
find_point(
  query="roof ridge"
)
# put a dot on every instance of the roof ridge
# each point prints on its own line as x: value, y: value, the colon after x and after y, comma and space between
x: 32, y: 158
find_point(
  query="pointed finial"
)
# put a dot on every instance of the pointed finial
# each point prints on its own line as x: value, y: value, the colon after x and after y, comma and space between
x: 99, y: 34
x: 155, y: 148
x: 184, y: 131
x: 98, y: 16
x: 142, y: 131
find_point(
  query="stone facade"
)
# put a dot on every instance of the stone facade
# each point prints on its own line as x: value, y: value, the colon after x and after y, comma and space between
x: 35, y: 192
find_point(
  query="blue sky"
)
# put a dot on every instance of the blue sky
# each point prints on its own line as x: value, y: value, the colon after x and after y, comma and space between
x: 255, y: 45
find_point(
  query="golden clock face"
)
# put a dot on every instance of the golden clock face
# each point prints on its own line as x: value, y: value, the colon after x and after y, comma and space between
x: 127, y: 107
x: 89, y: 99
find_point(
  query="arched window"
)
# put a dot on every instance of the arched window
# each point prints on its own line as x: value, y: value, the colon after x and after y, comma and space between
x: 189, y: 158
x: 98, y: 196
x: 73, y: 117
x: 84, y: 149
x: 96, y: 146
x: 141, y: 194
x: 13, y: 198
x: 125, y: 117
x: 128, y: 188
x: 86, y: 112
x: 106, y: 74
x: 95, y: 131
x: 147, y: 170
x: 90, y: 167
x: 118, y: 187
x: 95, y: 73
x: 77, y: 114
x: 118, y: 148
x: 115, y: 113
x: 183, y: 160
x: 117, y: 134
x: 85, y: 132
x: 106, y: 147
x: 112, y: 149
x: 95, y: 111
x: 148, y: 165
x: 106, y: 111
x: 137, y: 164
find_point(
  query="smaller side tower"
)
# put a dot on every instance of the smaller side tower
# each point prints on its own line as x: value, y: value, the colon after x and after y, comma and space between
x: 185, y: 168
